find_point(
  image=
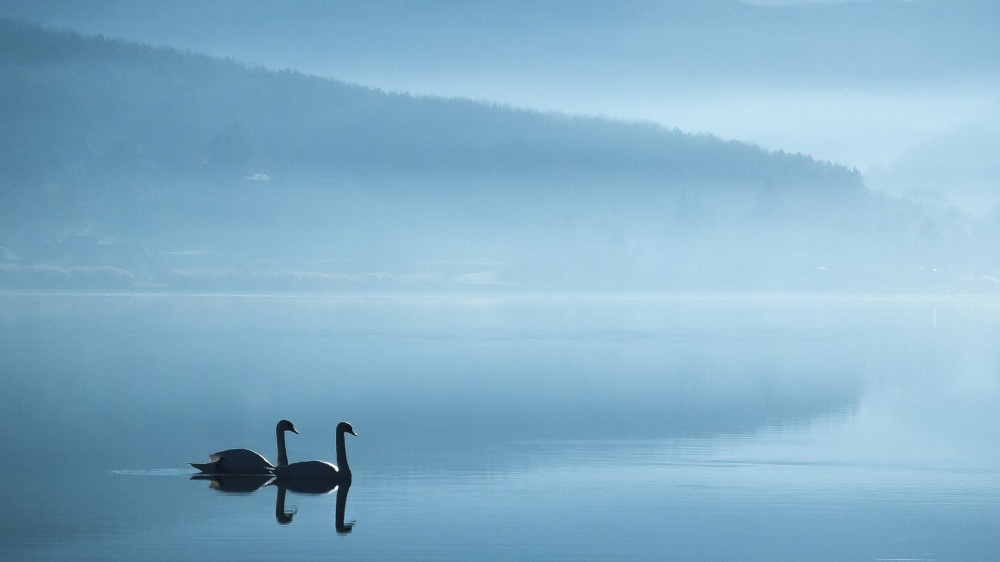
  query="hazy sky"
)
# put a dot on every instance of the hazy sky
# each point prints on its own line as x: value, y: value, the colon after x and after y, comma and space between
x: 881, y: 85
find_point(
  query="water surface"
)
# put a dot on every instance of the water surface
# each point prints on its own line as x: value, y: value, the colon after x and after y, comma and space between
x: 695, y: 427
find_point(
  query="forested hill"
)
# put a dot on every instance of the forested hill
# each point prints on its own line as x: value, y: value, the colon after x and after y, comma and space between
x: 146, y: 167
x: 122, y: 107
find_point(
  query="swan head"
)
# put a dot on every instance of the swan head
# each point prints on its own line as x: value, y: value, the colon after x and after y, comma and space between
x: 285, y: 425
x: 345, y: 428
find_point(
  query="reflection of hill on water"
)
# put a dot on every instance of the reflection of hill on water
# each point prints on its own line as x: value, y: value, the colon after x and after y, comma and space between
x: 715, y: 391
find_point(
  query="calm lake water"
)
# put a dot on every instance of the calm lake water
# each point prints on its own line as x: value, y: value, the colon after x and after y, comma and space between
x: 509, y: 427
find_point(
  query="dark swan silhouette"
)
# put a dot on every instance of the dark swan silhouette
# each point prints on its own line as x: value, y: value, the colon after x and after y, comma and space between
x: 300, y: 473
x: 245, y: 461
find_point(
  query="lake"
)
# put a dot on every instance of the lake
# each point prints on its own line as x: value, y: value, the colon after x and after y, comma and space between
x: 692, y: 427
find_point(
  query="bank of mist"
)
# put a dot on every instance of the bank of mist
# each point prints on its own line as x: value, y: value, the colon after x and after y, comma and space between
x: 127, y: 167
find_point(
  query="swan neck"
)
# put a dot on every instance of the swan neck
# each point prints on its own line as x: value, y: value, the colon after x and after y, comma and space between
x: 282, y: 454
x: 342, y: 454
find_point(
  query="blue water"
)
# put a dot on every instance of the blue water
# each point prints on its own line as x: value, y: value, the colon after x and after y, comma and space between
x: 505, y: 427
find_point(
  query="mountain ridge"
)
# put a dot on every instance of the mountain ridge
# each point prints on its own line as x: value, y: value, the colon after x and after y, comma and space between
x: 172, y: 154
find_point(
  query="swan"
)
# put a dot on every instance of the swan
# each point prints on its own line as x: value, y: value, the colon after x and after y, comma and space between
x: 319, y: 470
x: 245, y: 461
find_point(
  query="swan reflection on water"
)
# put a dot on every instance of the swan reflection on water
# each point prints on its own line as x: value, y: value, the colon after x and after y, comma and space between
x: 239, y: 484
x: 235, y: 483
x: 285, y: 516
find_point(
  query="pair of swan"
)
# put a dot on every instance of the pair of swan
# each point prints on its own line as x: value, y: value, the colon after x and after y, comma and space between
x: 247, y: 462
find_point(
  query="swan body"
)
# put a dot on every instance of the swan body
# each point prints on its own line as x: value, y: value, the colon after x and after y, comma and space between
x: 309, y: 470
x: 305, y: 471
x: 235, y: 461
x: 245, y: 461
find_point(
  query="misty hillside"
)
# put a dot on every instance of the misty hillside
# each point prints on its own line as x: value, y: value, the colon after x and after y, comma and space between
x: 125, y: 166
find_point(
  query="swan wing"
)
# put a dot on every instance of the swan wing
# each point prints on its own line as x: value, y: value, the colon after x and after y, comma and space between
x: 238, y: 461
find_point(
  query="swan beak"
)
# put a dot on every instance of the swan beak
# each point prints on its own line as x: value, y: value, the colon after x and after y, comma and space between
x: 352, y: 432
x: 293, y: 430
